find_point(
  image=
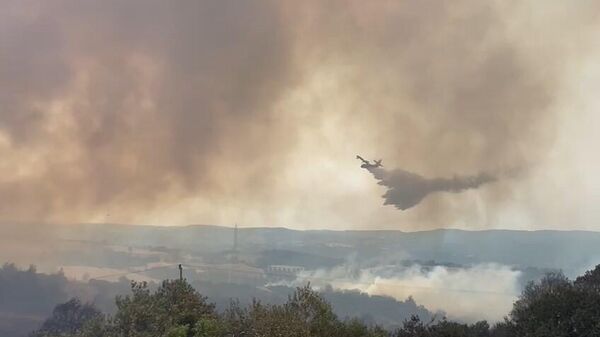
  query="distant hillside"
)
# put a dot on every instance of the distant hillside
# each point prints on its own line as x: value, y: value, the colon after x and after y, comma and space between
x: 572, y: 251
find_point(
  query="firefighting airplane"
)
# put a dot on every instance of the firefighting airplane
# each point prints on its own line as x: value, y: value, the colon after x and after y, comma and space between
x: 367, y: 164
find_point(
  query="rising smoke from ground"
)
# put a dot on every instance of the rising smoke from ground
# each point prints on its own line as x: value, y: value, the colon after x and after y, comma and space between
x: 480, y: 292
x: 406, y: 189
x: 217, y: 111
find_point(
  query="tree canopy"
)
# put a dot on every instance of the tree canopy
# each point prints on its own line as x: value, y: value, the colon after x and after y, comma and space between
x: 553, y: 307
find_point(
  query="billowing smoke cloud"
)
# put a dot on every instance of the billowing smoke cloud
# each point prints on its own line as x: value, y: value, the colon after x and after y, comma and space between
x: 485, y: 291
x: 198, y: 110
x: 122, y: 107
x: 406, y: 189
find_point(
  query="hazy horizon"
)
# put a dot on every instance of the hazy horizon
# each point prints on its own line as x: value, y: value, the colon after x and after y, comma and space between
x: 358, y: 229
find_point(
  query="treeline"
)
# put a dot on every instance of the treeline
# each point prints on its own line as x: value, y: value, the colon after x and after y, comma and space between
x: 553, y: 307
x: 27, y: 297
x: 385, y: 311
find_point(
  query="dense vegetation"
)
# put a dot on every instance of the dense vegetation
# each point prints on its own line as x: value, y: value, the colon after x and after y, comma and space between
x: 553, y: 307
x: 27, y: 297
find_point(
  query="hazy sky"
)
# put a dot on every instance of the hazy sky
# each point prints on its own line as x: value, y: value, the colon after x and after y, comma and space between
x: 180, y: 112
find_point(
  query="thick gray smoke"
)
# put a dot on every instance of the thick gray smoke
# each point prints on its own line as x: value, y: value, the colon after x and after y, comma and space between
x: 203, y: 108
x: 117, y: 107
x: 407, y: 189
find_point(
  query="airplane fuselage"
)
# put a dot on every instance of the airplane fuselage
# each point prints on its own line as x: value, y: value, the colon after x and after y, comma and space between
x: 367, y: 164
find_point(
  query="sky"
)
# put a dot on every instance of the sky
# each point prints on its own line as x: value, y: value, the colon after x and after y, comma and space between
x: 252, y: 112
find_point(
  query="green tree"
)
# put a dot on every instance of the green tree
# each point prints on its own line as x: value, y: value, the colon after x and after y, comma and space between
x: 209, y: 327
x: 443, y: 328
x: 177, y: 331
x: 173, y: 305
x: 69, y: 318
x: 557, y: 307
x: 590, y: 281
x: 313, y: 311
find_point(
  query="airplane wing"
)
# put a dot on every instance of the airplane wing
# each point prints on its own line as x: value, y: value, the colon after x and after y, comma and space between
x: 362, y: 159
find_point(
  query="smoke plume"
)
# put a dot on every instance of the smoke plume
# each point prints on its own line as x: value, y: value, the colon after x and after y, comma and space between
x: 221, y: 111
x: 406, y: 189
x: 480, y: 292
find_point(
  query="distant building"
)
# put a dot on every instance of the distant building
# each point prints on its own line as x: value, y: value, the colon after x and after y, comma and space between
x: 284, y: 270
x: 236, y: 273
